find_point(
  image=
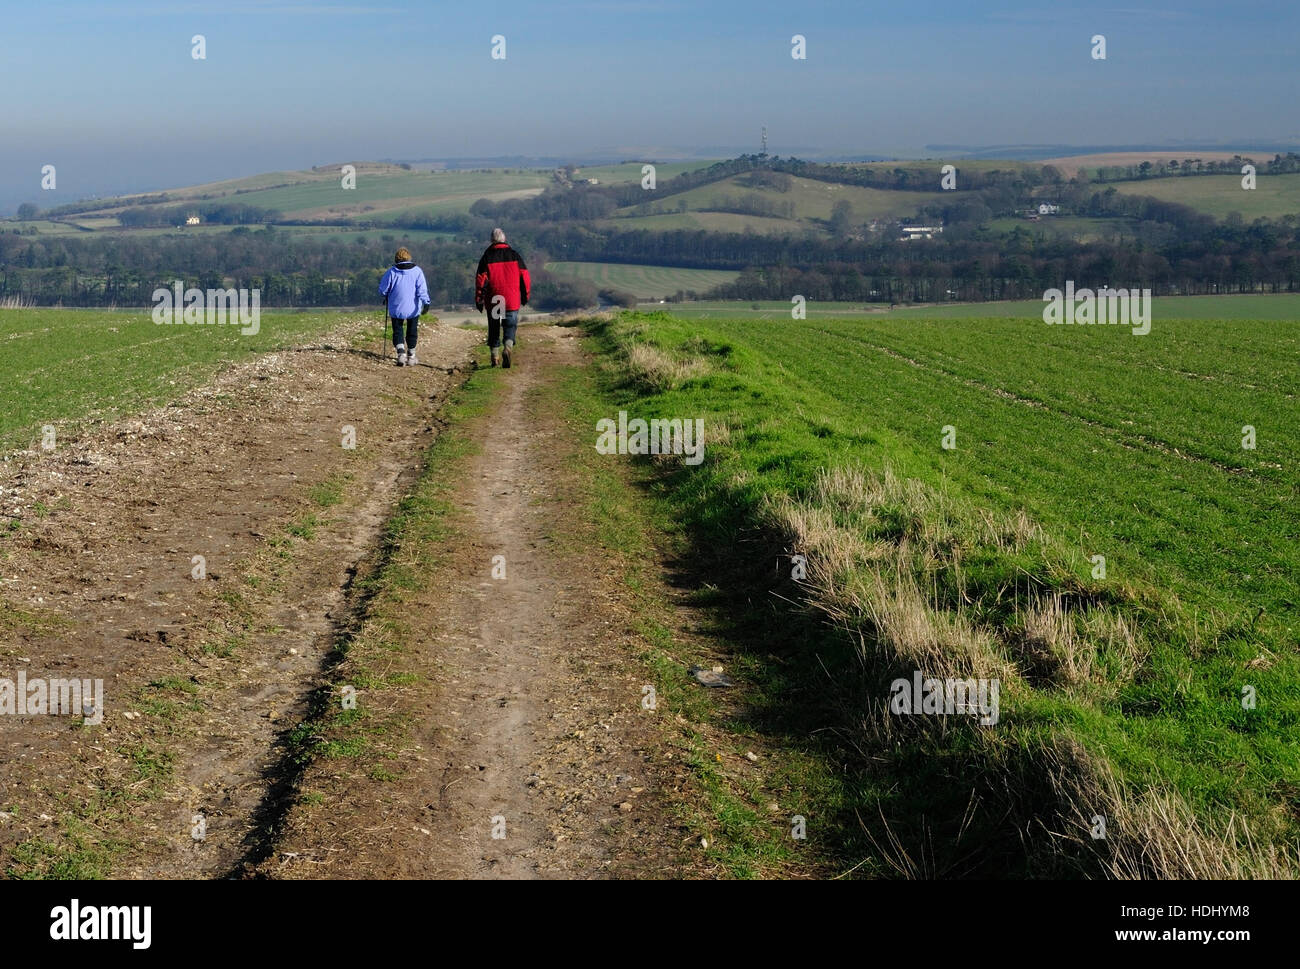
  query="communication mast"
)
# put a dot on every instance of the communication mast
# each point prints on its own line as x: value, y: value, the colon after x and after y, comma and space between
x: 764, y: 151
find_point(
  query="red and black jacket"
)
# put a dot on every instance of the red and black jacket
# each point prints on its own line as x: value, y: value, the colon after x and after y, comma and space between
x: 501, y: 272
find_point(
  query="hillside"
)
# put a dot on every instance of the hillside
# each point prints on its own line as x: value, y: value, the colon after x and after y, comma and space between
x: 1218, y: 195
x: 318, y: 195
x: 805, y: 206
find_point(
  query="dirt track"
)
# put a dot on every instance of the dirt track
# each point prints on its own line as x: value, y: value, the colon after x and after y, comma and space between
x: 535, y: 717
x: 533, y: 728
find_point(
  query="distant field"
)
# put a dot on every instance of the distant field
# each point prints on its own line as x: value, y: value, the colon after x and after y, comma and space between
x: 264, y: 180
x: 345, y: 233
x: 631, y: 171
x: 712, y: 222
x: 47, y: 228
x: 963, y: 164
x: 1217, y: 195
x: 1249, y: 306
x: 1069, y: 442
x: 1079, y: 228
x: 227, y: 188
x: 379, y: 190
x: 812, y: 201
x: 644, y: 282
x: 386, y: 193
x: 370, y: 236
x: 770, y: 309
x: 63, y: 367
x: 1070, y: 165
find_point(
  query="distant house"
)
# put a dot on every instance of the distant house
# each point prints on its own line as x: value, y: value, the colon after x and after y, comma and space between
x: 1048, y: 208
x: 192, y: 220
x: 912, y: 231
x: 593, y: 181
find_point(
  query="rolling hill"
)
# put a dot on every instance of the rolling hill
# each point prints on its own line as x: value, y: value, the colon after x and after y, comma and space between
x: 1273, y: 197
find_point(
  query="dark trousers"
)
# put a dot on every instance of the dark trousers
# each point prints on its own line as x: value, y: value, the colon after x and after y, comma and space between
x: 495, y: 326
x: 412, y: 328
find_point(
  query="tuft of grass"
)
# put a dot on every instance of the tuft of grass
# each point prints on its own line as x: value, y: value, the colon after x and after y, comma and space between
x: 43, y: 622
x: 330, y: 491
x: 78, y: 855
x: 304, y: 528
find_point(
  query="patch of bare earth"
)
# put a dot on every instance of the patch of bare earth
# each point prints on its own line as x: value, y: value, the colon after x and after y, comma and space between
x: 201, y: 678
x: 530, y: 754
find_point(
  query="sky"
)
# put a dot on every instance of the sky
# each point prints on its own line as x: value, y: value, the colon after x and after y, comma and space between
x: 108, y: 90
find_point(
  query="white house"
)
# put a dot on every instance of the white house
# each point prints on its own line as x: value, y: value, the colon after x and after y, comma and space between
x: 919, y: 231
x: 1047, y: 208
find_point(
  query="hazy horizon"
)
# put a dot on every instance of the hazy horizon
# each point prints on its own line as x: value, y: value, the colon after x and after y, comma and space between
x: 288, y: 85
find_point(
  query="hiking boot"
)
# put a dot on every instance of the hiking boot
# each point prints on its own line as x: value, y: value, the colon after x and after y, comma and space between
x: 506, y: 353
x: 401, y: 354
x: 411, y: 361
x: 494, y: 356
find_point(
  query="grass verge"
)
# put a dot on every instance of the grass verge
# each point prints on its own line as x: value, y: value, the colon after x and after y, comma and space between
x: 758, y: 766
x: 1111, y: 692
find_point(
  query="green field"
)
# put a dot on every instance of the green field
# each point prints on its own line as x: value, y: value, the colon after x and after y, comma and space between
x: 64, y: 367
x: 631, y: 171
x: 1070, y: 443
x: 1254, y: 306
x: 812, y: 201
x: 712, y: 222
x: 248, y: 183
x: 1079, y: 228
x: 1273, y: 197
x: 45, y: 227
x: 644, y: 282
x: 380, y: 190
x: 982, y: 165
x: 444, y: 191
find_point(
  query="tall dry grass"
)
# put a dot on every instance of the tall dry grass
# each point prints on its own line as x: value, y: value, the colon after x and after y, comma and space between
x: 876, y: 546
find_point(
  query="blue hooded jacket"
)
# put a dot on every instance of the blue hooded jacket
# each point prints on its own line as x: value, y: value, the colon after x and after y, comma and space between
x: 404, y: 287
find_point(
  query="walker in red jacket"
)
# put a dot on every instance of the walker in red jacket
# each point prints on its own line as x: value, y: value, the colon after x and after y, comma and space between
x: 501, y: 286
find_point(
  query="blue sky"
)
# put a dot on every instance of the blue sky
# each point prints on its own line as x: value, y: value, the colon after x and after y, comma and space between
x: 109, y: 93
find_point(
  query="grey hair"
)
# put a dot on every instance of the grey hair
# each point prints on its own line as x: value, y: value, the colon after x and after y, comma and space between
x: 498, y: 235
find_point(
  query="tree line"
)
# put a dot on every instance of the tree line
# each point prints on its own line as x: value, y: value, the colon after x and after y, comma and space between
x: 290, y: 269
x: 1278, y: 165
